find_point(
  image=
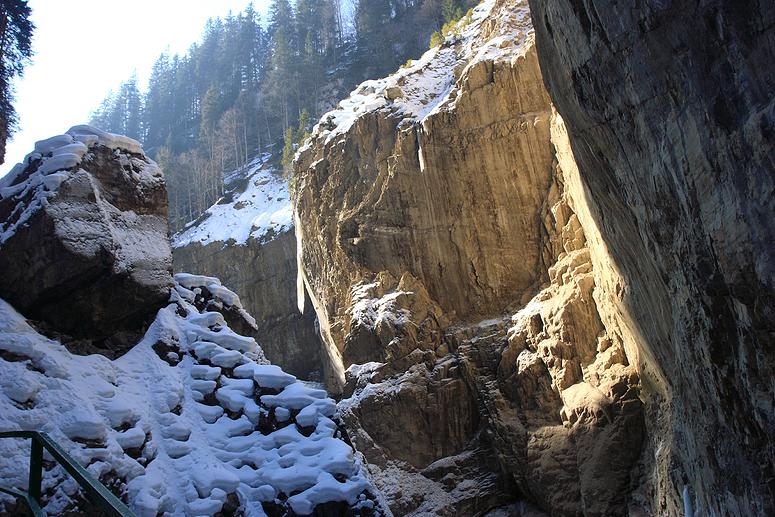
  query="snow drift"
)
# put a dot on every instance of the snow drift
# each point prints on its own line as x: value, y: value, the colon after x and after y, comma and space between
x: 191, y: 421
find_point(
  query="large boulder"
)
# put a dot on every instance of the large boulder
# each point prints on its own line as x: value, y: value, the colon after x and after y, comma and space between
x: 83, y: 239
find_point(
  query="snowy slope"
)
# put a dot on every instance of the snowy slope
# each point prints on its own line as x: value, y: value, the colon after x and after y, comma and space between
x: 257, y: 205
x: 427, y: 85
x: 190, y: 419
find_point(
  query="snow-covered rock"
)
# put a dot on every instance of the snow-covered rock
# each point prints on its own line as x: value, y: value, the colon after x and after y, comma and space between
x: 82, y: 218
x: 247, y: 240
x: 257, y: 205
x: 191, y: 421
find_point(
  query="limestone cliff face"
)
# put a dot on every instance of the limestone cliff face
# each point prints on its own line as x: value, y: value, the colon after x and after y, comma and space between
x: 430, y: 200
x: 431, y: 186
x: 670, y: 111
x: 247, y: 240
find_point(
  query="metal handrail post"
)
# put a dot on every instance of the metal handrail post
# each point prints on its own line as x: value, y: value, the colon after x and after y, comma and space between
x: 36, y: 469
x: 95, y: 491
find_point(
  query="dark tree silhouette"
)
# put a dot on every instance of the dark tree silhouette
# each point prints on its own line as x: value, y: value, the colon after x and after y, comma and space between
x: 15, y: 51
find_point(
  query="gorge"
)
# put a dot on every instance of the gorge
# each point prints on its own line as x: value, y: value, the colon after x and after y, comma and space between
x: 534, y: 270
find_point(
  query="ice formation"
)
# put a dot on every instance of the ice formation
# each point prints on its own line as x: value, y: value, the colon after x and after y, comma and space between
x: 191, y: 421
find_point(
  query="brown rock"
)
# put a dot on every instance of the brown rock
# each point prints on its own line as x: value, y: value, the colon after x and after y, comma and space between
x: 393, y: 92
x: 84, y: 241
x: 669, y: 109
x: 469, y: 209
x: 264, y: 273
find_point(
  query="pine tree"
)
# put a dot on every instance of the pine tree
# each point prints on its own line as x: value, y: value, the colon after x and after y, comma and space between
x: 133, y: 109
x: 373, y: 26
x: 451, y: 11
x: 158, y: 104
x: 282, y: 84
x: 15, y: 51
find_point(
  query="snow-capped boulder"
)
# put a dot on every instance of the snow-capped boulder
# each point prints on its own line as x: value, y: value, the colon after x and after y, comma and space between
x: 83, y: 237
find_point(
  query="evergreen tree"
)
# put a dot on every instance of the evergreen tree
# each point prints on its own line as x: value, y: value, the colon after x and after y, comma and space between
x: 158, y: 104
x: 373, y: 32
x: 451, y: 11
x: 133, y: 105
x: 15, y: 52
x: 282, y: 84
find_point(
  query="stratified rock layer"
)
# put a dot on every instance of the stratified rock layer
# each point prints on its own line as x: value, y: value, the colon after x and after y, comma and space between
x: 84, y: 245
x: 671, y: 114
x: 418, y: 215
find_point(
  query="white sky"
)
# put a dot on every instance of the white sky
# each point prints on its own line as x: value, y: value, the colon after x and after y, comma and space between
x: 83, y: 49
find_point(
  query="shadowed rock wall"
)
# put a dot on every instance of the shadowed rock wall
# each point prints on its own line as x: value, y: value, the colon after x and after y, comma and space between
x: 670, y: 109
x: 264, y: 274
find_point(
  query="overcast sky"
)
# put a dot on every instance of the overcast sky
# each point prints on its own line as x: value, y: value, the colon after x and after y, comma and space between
x: 83, y: 49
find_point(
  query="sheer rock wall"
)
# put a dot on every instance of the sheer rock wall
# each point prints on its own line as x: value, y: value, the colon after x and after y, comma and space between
x: 670, y: 110
x: 412, y: 229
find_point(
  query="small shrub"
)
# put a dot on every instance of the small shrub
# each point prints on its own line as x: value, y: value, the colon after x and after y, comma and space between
x: 437, y: 38
x: 454, y: 25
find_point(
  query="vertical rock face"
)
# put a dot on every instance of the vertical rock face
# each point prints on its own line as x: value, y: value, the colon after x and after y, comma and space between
x: 81, y: 219
x: 429, y: 200
x: 426, y: 185
x: 671, y: 116
x: 247, y: 240
x: 266, y: 273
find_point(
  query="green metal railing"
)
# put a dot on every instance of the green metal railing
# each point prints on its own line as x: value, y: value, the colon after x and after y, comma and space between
x: 95, y: 491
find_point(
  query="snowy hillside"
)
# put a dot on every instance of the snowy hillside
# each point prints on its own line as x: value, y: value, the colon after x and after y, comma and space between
x: 427, y: 84
x: 191, y: 421
x: 256, y: 205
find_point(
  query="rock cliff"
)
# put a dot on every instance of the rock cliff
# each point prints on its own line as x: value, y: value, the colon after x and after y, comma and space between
x: 248, y: 241
x: 670, y: 110
x: 388, y: 188
x: 442, y: 242
x: 81, y: 219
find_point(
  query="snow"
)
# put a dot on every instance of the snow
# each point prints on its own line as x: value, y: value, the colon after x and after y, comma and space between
x: 87, y: 133
x: 186, y: 282
x: 53, y: 161
x: 428, y: 84
x: 372, y: 311
x: 266, y: 375
x: 145, y: 418
x: 259, y: 209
